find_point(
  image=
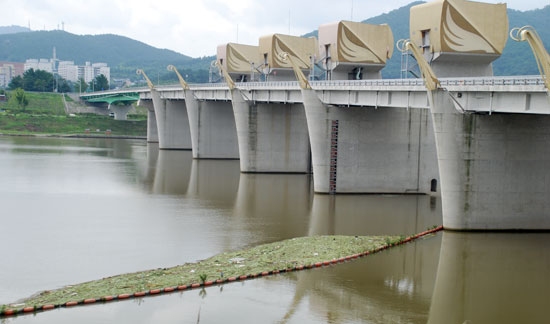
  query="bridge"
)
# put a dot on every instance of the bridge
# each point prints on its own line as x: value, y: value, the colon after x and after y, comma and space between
x: 119, y: 103
x: 479, y: 141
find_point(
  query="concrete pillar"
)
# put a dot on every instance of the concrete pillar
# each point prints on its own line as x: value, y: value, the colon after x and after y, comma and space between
x: 368, y: 150
x: 495, y: 172
x: 152, y: 132
x: 272, y: 137
x: 121, y: 111
x: 172, y: 123
x: 212, y: 126
x: 492, y: 278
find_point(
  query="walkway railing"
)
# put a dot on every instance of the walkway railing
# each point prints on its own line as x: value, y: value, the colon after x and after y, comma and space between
x: 531, y: 80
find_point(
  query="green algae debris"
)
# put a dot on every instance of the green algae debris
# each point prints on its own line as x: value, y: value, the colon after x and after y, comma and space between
x: 263, y: 258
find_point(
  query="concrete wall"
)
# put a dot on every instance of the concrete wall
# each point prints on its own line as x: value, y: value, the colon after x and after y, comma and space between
x: 212, y: 126
x: 385, y: 150
x: 495, y: 169
x: 172, y: 123
x: 152, y: 131
x: 120, y: 111
x: 272, y: 137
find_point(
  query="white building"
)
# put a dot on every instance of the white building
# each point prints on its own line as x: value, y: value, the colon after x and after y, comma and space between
x: 42, y: 64
x: 102, y: 68
x: 6, y: 74
x: 68, y: 70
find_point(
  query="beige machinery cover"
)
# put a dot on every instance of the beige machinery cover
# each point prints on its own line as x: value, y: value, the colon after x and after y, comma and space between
x: 237, y: 58
x: 300, y: 48
x: 354, y: 42
x: 460, y: 26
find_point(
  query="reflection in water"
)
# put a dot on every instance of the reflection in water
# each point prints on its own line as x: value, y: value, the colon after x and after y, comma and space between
x: 172, y: 172
x: 214, y: 180
x: 371, y: 289
x: 492, y: 278
x: 373, y: 214
x: 280, y: 202
x: 93, y: 200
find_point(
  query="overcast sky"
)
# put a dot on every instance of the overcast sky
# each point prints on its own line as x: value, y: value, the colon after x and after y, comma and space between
x: 196, y: 27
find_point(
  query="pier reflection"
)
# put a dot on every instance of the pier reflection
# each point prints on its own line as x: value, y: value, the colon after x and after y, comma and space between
x: 173, y: 172
x: 373, y: 214
x: 492, y: 278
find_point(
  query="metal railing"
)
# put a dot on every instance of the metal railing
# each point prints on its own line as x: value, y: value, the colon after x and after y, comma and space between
x: 528, y: 80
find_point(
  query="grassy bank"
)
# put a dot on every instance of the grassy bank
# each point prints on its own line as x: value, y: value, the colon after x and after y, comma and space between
x: 27, y: 124
x: 40, y: 103
x: 45, y: 114
x: 276, y: 256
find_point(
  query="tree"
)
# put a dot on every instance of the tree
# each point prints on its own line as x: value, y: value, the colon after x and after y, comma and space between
x: 83, y: 85
x: 21, y: 98
x: 38, y: 80
x: 64, y: 86
x: 16, y: 82
x: 100, y: 83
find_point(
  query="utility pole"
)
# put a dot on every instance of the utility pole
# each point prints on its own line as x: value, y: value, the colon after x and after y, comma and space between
x: 289, y: 21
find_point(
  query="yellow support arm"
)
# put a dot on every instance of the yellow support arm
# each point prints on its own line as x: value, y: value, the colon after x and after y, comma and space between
x: 149, y: 83
x: 228, y: 80
x: 304, y: 83
x: 428, y: 74
x: 529, y: 34
x: 182, y: 81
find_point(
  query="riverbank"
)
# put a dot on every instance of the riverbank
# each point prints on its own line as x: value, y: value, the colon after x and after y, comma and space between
x: 289, y: 255
x: 75, y: 136
x: 81, y: 124
x: 46, y: 114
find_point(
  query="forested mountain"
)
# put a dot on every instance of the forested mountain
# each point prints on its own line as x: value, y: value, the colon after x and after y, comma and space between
x: 517, y: 58
x: 13, y: 29
x: 125, y: 55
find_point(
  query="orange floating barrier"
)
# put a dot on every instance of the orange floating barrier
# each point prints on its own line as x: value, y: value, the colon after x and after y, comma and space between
x: 8, y: 312
x: 123, y: 296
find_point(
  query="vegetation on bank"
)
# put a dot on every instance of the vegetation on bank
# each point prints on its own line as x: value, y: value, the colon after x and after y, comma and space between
x: 28, y: 124
x: 44, y: 113
x: 281, y: 255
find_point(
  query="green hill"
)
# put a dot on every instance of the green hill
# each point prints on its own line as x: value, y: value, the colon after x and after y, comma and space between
x: 124, y: 55
x: 517, y: 58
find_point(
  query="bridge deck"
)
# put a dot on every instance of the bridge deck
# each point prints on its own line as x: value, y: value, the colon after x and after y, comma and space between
x: 521, y: 94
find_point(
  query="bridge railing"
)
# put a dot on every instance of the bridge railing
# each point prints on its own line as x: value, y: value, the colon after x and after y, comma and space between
x: 530, y: 80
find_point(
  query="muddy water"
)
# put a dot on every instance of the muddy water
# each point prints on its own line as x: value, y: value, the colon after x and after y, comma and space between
x: 81, y: 209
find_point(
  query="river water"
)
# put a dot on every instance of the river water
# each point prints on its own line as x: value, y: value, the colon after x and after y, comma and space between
x: 74, y: 210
